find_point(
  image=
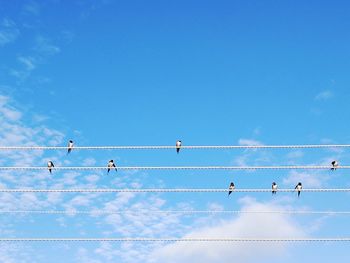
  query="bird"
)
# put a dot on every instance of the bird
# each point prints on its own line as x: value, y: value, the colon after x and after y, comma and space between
x: 178, y: 146
x: 298, y: 187
x: 274, y: 188
x: 231, y: 188
x: 335, y: 165
x: 70, y: 146
x: 50, y: 165
x: 111, y: 165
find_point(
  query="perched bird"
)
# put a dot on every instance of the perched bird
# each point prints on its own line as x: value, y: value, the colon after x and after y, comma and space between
x: 178, y: 146
x: 298, y: 187
x: 70, y: 146
x: 231, y: 188
x: 335, y: 165
x: 50, y: 165
x: 274, y: 188
x: 111, y: 165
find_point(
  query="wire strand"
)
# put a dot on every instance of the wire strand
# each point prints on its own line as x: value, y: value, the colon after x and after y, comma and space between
x: 164, y: 190
x: 103, y: 212
x: 204, y: 239
x: 158, y: 147
x: 285, y: 167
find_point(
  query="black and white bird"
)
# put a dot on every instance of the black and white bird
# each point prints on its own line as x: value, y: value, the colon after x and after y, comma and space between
x: 50, y: 165
x: 231, y: 188
x: 111, y: 165
x: 70, y: 146
x: 335, y: 165
x: 178, y: 146
x: 274, y: 188
x: 298, y: 187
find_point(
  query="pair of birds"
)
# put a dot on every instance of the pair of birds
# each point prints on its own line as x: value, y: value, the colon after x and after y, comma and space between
x: 70, y: 146
x: 111, y: 165
x: 274, y: 187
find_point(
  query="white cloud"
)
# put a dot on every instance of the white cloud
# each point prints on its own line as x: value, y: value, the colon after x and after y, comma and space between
x: 8, y: 31
x: 45, y: 47
x: 252, y: 156
x: 249, y: 142
x: 28, y: 62
x: 32, y: 8
x: 309, y: 179
x: 324, y: 95
x: 7, y: 112
x: 89, y: 161
x: 83, y: 255
x: 294, y: 157
x: 245, y: 226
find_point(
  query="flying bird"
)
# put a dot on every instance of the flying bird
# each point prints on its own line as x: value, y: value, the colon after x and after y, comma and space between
x: 70, y: 146
x: 111, y: 165
x: 178, y: 146
x: 231, y: 188
x: 50, y: 165
x: 335, y: 165
x: 274, y: 188
x: 298, y: 187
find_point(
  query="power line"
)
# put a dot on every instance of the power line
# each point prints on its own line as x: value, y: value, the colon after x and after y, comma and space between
x: 163, y: 190
x: 139, y: 239
x: 103, y: 212
x: 159, y: 147
x: 283, y: 167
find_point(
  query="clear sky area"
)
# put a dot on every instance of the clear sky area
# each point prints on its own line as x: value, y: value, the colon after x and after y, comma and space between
x: 153, y: 72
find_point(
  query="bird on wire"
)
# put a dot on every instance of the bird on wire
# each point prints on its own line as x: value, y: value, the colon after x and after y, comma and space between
x: 298, y: 187
x: 70, y: 146
x: 274, y: 188
x: 231, y: 188
x: 111, y: 165
x: 50, y: 165
x: 335, y: 165
x: 178, y: 146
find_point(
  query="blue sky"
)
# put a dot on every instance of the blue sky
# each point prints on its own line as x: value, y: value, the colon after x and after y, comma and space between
x: 205, y: 72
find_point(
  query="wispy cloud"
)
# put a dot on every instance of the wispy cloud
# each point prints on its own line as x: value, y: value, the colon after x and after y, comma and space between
x: 245, y: 225
x: 249, y: 142
x: 259, y: 157
x: 324, y: 95
x: 310, y: 179
x: 45, y: 47
x: 28, y: 65
x: 28, y: 62
x: 8, y: 31
x: 32, y: 8
x: 8, y: 112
